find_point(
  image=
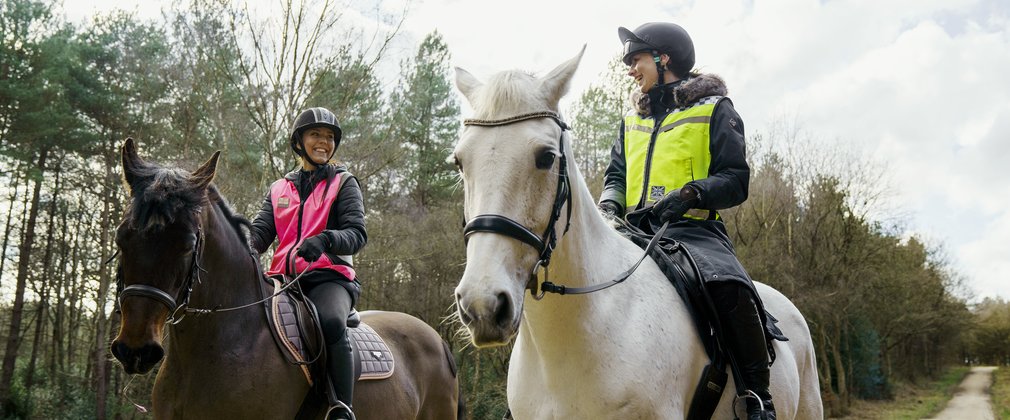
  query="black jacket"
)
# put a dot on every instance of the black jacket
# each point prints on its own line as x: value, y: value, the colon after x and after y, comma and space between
x: 729, y: 175
x: 345, y: 225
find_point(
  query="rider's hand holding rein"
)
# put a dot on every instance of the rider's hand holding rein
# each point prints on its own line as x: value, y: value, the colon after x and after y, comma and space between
x: 673, y: 207
x: 314, y: 246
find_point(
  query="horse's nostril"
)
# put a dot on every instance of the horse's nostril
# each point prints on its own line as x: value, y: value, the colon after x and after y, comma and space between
x: 120, y: 351
x: 151, y: 353
x: 464, y: 313
x: 503, y: 310
x: 464, y: 316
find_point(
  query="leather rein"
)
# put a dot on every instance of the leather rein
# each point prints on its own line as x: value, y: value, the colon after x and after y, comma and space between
x: 545, y: 243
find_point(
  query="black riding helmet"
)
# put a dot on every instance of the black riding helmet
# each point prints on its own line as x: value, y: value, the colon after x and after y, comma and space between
x: 310, y: 118
x: 660, y: 38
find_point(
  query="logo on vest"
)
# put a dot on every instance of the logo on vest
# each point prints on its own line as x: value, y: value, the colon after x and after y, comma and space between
x: 283, y: 202
x: 656, y: 192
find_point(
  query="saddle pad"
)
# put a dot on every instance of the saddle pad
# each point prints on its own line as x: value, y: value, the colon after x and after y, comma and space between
x: 376, y: 359
x: 286, y: 322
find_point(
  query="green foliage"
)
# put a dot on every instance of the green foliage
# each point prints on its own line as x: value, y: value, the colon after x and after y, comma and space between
x: 596, y: 121
x: 482, y: 377
x: 990, y: 339
x: 869, y: 381
x: 426, y: 120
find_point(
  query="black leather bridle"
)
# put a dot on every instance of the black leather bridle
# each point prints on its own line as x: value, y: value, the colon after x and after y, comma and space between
x: 495, y: 223
x: 173, y: 303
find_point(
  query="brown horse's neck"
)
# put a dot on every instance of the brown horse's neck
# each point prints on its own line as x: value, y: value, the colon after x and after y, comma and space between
x: 230, y: 269
x: 228, y: 279
x: 208, y: 353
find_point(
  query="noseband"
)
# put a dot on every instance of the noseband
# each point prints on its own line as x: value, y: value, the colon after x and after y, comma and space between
x: 163, y: 297
x: 495, y: 223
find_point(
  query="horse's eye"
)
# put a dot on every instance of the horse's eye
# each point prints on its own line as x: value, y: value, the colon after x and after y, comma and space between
x: 545, y: 160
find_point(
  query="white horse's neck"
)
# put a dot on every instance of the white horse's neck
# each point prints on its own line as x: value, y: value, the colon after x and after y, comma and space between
x: 590, y: 253
x: 568, y: 343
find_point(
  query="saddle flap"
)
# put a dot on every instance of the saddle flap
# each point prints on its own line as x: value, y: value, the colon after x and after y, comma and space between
x: 290, y: 317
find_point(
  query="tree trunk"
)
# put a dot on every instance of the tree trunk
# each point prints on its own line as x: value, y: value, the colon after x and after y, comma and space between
x: 24, y: 257
x: 99, y: 351
x: 55, y: 345
x: 10, y: 218
x: 58, y: 356
x: 839, y: 367
x: 75, y: 312
x: 43, y: 305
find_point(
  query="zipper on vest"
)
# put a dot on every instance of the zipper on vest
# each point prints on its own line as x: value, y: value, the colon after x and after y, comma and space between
x: 648, y: 162
x: 298, y: 238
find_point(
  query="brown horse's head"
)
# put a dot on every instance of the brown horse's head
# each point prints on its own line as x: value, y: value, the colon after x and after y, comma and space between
x: 159, y: 240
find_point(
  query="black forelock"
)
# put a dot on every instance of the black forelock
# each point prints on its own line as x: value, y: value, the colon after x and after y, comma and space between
x: 161, y: 196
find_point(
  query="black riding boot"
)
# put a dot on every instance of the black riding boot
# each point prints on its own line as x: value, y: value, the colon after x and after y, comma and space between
x: 745, y: 339
x: 341, y: 376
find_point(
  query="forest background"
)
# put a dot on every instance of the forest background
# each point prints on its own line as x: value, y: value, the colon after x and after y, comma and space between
x: 882, y: 306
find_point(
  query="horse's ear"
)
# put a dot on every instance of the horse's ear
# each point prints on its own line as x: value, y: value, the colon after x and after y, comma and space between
x: 131, y: 161
x: 203, y: 175
x: 466, y: 83
x: 555, y: 84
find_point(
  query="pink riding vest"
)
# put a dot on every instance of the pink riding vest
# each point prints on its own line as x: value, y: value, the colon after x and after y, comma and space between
x: 293, y: 228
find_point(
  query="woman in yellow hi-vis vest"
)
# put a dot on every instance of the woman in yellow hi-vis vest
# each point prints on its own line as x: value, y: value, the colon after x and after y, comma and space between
x: 681, y: 154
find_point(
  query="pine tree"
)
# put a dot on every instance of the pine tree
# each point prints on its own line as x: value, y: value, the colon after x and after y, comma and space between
x: 426, y: 121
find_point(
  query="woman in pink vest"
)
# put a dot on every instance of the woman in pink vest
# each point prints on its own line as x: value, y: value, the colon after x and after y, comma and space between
x: 316, y: 214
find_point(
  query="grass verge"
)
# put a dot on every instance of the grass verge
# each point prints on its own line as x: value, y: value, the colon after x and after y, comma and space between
x: 911, y: 401
x: 1001, y: 392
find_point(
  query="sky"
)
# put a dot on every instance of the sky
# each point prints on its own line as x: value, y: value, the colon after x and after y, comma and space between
x: 917, y: 87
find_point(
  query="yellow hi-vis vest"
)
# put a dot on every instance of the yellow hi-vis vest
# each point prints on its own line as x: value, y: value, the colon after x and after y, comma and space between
x: 662, y: 159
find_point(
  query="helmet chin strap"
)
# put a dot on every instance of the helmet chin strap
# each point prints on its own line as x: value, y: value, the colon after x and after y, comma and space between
x: 305, y: 155
x: 660, y: 69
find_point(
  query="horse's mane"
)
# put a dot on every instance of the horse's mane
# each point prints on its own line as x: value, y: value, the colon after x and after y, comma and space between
x: 161, y: 196
x: 508, y: 93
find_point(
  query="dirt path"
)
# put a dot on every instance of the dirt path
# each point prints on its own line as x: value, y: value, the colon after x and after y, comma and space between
x: 971, y: 401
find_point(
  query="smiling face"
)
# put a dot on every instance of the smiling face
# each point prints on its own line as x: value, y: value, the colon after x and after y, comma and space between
x: 319, y: 144
x: 643, y: 70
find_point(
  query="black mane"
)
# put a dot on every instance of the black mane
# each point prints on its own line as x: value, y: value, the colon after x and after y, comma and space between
x: 163, y: 196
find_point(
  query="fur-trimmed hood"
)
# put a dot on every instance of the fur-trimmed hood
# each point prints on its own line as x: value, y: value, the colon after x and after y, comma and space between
x: 684, y: 93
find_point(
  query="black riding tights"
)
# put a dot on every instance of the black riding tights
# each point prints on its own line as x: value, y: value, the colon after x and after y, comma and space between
x: 333, y: 302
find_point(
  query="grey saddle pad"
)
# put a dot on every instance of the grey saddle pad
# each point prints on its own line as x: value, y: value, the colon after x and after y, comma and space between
x: 374, y: 358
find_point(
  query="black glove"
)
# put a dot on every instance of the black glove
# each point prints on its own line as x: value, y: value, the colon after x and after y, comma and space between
x: 609, y: 207
x: 672, y: 207
x: 313, y: 247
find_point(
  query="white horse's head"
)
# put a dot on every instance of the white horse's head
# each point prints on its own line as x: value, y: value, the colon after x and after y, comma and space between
x: 510, y: 169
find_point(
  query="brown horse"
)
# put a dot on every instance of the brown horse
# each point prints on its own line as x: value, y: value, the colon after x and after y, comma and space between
x: 181, y: 246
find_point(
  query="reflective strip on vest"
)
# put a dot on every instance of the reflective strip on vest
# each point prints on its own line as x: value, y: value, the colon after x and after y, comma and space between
x: 680, y: 154
x: 315, y: 211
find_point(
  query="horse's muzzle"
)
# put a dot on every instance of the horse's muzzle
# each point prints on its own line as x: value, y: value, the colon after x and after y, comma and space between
x: 491, y: 321
x: 137, y: 360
